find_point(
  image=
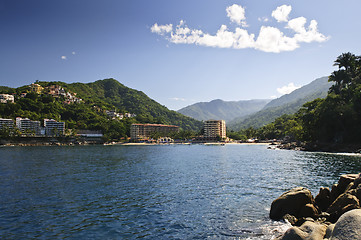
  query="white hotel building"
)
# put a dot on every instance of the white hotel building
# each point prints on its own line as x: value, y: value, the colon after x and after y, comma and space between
x: 25, y: 125
x: 6, y: 123
x: 54, y: 128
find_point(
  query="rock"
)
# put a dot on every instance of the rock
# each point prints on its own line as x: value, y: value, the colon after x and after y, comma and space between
x: 329, y: 231
x: 309, y: 210
x: 342, y: 185
x: 323, y: 199
x: 308, y: 231
x: 291, y: 203
x: 358, y: 192
x: 291, y: 219
x: 342, y: 204
x: 334, y: 193
x: 357, y: 181
x: 349, y: 187
x: 323, y: 217
x: 348, y: 226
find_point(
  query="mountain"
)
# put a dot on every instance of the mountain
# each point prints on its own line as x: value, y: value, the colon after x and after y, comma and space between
x: 90, y: 113
x: 226, y: 110
x: 286, y: 104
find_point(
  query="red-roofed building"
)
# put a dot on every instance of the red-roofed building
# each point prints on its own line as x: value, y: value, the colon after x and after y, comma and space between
x: 144, y: 131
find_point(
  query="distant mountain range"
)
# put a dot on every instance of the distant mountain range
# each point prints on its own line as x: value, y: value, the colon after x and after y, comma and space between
x: 286, y: 104
x: 256, y: 113
x: 226, y: 110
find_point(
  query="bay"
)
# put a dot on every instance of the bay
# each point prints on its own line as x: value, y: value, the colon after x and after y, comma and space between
x: 154, y: 192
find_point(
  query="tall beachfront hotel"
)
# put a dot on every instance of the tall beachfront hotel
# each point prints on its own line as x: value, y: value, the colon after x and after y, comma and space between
x: 214, y: 129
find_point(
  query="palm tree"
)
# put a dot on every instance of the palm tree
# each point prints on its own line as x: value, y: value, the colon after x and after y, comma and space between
x: 348, y: 73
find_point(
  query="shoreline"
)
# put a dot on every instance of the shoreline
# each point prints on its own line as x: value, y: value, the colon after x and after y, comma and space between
x: 343, y: 149
x: 321, y: 147
x: 161, y: 144
x: 59, y: 143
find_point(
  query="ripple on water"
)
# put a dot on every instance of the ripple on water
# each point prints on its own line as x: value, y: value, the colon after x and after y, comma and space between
x: 154, y: 192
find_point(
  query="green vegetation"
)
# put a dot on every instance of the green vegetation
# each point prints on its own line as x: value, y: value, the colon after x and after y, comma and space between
x: 287, y: 104
x: 334, y: 119
x: 97, y: 97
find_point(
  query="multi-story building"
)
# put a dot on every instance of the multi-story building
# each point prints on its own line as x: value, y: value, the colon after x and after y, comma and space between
x: 144, y: 131
x: 27, y: 126
x: 5, y: 98
x: 54, y: 128
x: 214, y: 129
x: 6, y: 123
x: 34, y: 87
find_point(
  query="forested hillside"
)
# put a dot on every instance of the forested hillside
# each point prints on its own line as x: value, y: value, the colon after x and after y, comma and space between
x: 286, y: 104
x: 334, y: 120
x: 97, y: 97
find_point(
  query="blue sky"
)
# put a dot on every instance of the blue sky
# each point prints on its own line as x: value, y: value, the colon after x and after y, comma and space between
x: 178, y: 52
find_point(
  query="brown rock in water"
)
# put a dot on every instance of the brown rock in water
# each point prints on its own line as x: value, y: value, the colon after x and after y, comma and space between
x: 358, y: 192
x: 309, y: 210
x: 342, y: 204
x: 334, y: 193
x: 323, y: 199
x: 357, y: 181
x: 342, y: 185
x: 291, y: 203
x: 308, y: 231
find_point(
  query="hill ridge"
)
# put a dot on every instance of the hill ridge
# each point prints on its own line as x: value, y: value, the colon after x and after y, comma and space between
x: 286, y: 104
x: 220, y: 109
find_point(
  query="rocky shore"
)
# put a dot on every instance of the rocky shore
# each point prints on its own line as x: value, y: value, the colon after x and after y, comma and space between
x: 333, y: 214
x: 46, y: 141
x: 321, y: 147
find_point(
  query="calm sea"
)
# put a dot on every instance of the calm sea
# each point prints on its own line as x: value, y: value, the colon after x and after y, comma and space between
x: 154, y: 192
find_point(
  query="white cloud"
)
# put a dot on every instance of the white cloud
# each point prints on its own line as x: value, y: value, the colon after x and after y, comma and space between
x: 273, y: 97
x: 73, y: 53
x: 63, y: 57
x: 270, y: 39
x: 281, y: 13
x: 223, y: 38
x: 287, y: 89
x: 162, y: 29
x: 308, y: 35
x: 237, y: 14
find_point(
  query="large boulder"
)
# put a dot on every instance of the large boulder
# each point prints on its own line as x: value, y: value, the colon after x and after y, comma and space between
x: 323, y: 199
x: 348, y: 226
x: 342, y: 204
x: 291, y: 202
x: 343, y: 185
x: 357, y: 181
x: 309, y: 210
x: 310, y: 230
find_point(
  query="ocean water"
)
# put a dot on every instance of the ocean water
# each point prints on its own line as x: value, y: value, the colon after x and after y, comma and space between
x: 154, y: 192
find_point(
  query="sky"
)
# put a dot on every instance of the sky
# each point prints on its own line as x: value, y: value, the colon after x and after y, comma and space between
x: 178, y: 52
